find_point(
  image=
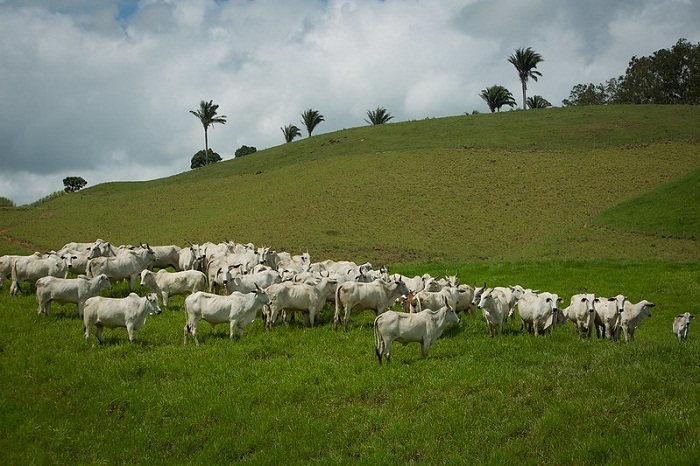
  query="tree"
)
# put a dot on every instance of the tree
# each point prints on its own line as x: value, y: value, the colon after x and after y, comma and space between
x: 5, y: 202
x: 290, y: 132
x: 537, y: 101
x: 73, y: 184
x: 245, y: 150
x: 311, y: 119
x: 201, y: 159
x: 378, y: 116
x: 207, y: 115
x: 496, y: 97
x: 525, y: 61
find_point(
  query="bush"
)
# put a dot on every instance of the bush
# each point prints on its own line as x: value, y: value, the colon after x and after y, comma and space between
x: 198, y: 159
x: 245, y: 150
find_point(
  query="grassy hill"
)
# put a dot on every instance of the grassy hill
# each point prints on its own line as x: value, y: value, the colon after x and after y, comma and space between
x: 509, y: 186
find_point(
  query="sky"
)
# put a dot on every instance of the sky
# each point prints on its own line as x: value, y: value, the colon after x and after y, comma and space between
x: 103, y: 89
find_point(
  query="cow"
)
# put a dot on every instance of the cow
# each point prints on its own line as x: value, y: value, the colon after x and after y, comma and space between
x: 478, y: 291
x: 414, y: 284
x: 248, y: 283
x: 581, y: 312
x: 466, y: 296
x: 377, y: 295
x: 79, y: 260
x: 302, y: 297
x: 681, y: 324
x: 32, y: 268
x: 494, y: 307
x: 99, y: 249
x: 166, y: 256
x: 166, y: 284
x: 512, y: 294
x: 434, y: 299
x: 68, y: 290
x: 422, y: 327
x: 540, y: 311
x: 127, y: 264
x: 129, y: 312
x: 608, y: 313
x: 191, y: 258
x: 236, y: 309
x: 632, y: 317
x: 6, y: 265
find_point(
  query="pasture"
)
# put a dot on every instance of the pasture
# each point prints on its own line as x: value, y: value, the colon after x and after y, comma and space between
x: 553, y: 200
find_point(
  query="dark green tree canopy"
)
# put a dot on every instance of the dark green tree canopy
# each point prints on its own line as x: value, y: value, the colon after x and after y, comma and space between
x: 668, y: 76
x: 537, y: 101
x: 199, y: 159
x: 311, y: 118
x: 379, y: 116
x: 73, y: 184
x: 245, y: 150
x: 290, y: 132
x: 496, y: 97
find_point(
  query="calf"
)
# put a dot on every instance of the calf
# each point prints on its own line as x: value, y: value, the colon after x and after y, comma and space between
x: 166, y: 284
x: 681, y: 324
x: 236, y: 309
x: 129, y: 312
x: 422, y: 327
x: 494, y: 306
x: 69, y: 290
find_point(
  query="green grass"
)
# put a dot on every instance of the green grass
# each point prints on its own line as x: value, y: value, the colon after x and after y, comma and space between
x: 303, y: 395
x: 600, y: 199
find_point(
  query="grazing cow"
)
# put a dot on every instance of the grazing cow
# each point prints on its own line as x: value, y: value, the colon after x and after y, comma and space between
x: 237, y: 309
x: 127, y: 264
x: 302, y: 297
x: 608, y: 313
x: 166, y: 256
x: 422, y: 327
x: 129, y: 312
x: 32, y: 268
x: 540, y: 311
x: 632, y: 317
x: 494, y: 307
x: 581, y: 312
x: 68, y: 290
x: 681, y: 324
x: 166, y: 284
x: 378, y: 295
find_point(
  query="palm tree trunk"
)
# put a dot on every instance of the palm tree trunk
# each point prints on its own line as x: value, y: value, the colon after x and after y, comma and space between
x: 206, y: 147
x: 524, y: 93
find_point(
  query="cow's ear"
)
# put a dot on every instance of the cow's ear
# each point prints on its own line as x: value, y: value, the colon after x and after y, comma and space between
x: 560, y: 300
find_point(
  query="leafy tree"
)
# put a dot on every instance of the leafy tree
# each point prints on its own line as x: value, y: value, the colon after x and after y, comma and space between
x: 537, y: 101
x: 201, y: 159
x: 378, y: 116
x: 311, y: 119
x: 290, y: 132
x: 5, y: 202
x: 590, y: 94
x: 245, y: 150
x: 73, y: 184
x: 525, y: 61
x: 496, y: 97
x: 207, y: 115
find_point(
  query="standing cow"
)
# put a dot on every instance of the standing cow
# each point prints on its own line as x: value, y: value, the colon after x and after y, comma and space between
x: 581, y: 312
x: 377, y: 295
x: 69, y: 290
x: 681, y: 324
x: 129, y: 313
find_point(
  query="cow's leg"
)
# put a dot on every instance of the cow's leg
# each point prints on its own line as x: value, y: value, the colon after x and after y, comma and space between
x: 336, y: 316
x: 232, y: 328
x: 132, y: 282
x: 98, y: 333
x: 380, y: 348
x: 130, y: 330
x: 193, y: 331
x: 186, y: 330
x: 387, y: 349
x: 425, y: 345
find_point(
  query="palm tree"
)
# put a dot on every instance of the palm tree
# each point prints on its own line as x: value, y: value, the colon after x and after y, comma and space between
x: 525, y: 61
x: 290, y: 132
x: 311, y: 119
x: 496, y: 97
x: 207, y: 115
x: 378, y: 116
x: 537, y: 101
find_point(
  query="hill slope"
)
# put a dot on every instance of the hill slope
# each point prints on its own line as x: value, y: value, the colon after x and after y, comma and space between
x: 510, y: 186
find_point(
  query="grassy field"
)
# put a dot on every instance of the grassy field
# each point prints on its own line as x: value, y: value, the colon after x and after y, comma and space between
x: 600, y: 200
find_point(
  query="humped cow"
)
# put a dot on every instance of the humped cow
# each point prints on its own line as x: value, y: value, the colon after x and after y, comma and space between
x: 68, y: 290
x: 166, y: 284
x: 127, y: 264
x: 302, y: 297
x: 129, y: 313
x: 608, y: 313
x: 632, y: 317
x: 32, y: 268
x: 581, y: 312
x: 377, y: 295
x: 540, y: 311
x: 494, y: 307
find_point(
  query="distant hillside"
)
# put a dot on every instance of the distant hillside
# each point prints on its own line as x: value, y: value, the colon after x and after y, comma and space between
x: 517, y: 185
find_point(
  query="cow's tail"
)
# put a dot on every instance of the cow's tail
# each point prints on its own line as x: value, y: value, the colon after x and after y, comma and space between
x: 338, y: 307
x: 378, y: 342
x: 15, y: 282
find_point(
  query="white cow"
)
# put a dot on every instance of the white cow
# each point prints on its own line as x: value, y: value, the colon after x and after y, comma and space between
x: 415, y: 284
x: 466, y: 296
x: 166, y: 284
x: 436, y: 299
x: 129, y: 312
x: 494, y: 307
x: 423, y: 327
x: 512, y: 294
x: 478, y: 291
x: 79, y: 260
x: 302, y: 297
x: 540, y: 311
x: 581, y: 312
x: 191, y: 258
x: 236, y: 309
x: 166, y: 256
x: 68, y: 290
x: 632, y: 317
x: 378, y: 295
x: 127, y: 264
x: 6, y: 265
x: 681, y: 324
x: 248, y: 283
x: 608, y: 312
x: 31, y: 268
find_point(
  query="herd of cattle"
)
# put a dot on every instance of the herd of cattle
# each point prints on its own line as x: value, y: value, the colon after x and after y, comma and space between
x: 228, y: 283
